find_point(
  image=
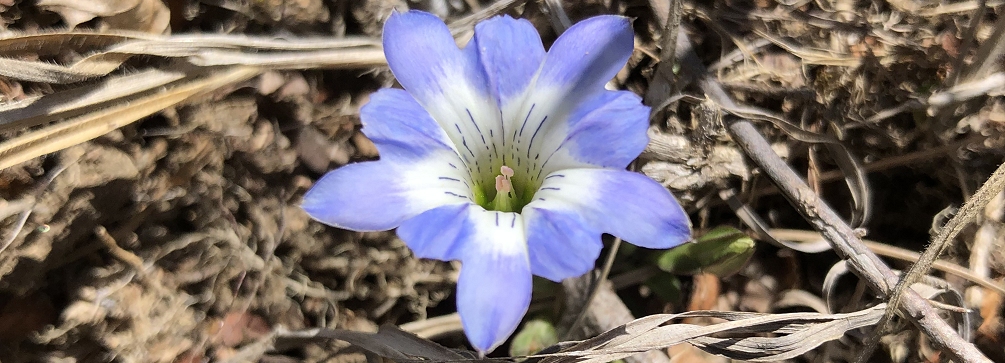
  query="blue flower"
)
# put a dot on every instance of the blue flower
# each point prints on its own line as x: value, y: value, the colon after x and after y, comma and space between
x: 505, y: 157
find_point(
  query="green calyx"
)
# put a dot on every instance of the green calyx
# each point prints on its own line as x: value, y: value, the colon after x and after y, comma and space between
x: 722, y: 251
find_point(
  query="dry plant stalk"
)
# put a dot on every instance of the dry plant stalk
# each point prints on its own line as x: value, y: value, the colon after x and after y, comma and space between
x: 970, y: 210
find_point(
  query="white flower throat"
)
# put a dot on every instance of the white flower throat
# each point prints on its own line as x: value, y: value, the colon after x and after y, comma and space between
x: 505, y: 156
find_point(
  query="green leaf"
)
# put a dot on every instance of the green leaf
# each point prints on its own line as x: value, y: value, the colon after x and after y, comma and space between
x: 667, y: 287
x: 722, y: 251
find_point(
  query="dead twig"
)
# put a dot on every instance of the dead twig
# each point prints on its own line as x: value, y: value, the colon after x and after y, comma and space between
x: 126, y: 257
x: 661, y: 85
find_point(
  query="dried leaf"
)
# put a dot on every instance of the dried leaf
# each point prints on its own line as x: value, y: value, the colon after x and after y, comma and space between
x: 201, y: 50
x: 388, y: 342
x: 797, y: 334
x: 801, y: 333
x: 75, y: 12
x: 150, y: 16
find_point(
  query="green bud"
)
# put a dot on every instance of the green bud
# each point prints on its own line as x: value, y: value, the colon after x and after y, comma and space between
x: 722, y: 251
x: 535, y: 335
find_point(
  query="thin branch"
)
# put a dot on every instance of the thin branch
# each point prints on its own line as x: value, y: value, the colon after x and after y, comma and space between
x: 556, y: 13
x: 989, y: 55
x: 848, y: 245
x: 970, y: 210
x: 969, y: 36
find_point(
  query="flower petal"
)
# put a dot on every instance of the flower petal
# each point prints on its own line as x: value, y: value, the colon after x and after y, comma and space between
x: 511, y: 53
x: 439, y: 233
x: 494, y: 288
x: 493, y: 295
x: 449, y: 83
x: 379, y: 195
x: 625, y: 204
x: 493, y: 291
x: 574, y: 73
x: 561, y: 244
x: 588, y: 54
x: 393, y: 117
x: 608, y: 131
x: 424, y: 57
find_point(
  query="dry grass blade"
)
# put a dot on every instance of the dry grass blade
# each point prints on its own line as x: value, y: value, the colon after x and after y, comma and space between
x: 810, y: 56
x: 761, y: 229
x: 73, y: 102
x: 434, y: 327
x: 335, y: 58
x: 53, y: 42
x: 208, y: 50
x: 388, y: 342
x: 121, y: 100
x: 800, y: 333
x: 90, y: 126
x: 90, y: 67
x: 467, y: 23
x: 886, y: 250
